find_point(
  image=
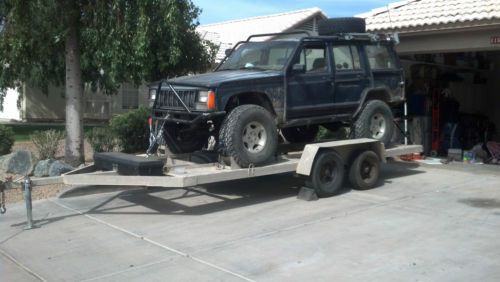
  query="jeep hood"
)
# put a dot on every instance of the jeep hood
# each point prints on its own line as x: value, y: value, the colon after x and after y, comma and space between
x: 215, y: 79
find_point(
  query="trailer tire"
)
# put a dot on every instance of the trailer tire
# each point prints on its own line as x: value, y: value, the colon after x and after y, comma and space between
x: 327, y: 174
x: 248, y: 135
x: 364, y: 170
x: 300, y: 134
x: 375, y: 121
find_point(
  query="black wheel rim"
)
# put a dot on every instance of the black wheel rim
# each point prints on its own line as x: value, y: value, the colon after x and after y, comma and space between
x: 328, y: 173
x: 367, y: 170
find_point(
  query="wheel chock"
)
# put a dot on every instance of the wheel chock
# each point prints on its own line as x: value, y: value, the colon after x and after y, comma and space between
x: 307, y: 194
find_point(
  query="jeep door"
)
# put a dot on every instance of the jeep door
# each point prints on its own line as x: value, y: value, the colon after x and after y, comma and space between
x: 309, y: 82
x: 351, y: 76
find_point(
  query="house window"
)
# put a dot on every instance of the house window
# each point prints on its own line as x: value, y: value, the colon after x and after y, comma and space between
x: 130, y: 96
x: 380, y: 57
x: 346, y: 58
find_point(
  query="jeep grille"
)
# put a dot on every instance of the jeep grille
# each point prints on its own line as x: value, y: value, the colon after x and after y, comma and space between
x: 167, y: 98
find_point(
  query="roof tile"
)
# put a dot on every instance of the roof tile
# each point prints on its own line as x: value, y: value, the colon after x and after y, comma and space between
x: 419, y: 13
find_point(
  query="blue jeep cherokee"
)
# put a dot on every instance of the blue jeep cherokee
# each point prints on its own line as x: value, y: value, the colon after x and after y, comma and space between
x: 289, y: 83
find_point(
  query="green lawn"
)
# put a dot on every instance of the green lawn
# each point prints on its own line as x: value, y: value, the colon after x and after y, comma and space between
x: 23, y: 131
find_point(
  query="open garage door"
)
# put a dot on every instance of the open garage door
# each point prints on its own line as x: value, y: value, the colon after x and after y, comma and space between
x: 453, y: 101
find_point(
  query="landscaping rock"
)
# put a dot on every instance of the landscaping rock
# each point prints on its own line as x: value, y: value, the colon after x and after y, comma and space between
x: 20, y: 162
x: 42, y: 168
x: 57, y: 168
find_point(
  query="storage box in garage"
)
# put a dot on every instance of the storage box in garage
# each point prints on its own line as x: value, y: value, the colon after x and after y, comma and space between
x: 455, y: 154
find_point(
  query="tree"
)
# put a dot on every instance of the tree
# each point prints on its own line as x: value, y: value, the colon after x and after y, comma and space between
x: 101, y: 43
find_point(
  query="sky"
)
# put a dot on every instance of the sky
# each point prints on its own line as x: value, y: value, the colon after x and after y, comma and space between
x: 223, y: 10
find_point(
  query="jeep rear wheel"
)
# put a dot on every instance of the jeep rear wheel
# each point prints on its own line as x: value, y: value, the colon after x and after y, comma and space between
x: 375, y: 121
x: 248, y: 135
x: 300, y: 134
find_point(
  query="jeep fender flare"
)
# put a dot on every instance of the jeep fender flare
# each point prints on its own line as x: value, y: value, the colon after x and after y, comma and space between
x: 380, y: 93
x: 256, y: 98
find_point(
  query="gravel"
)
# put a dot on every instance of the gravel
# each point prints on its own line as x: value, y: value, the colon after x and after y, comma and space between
x: 41, y: 192
x: 15, y: 194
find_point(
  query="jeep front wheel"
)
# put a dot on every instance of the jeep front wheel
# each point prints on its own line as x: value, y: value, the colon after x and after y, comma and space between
x: 248, y: 135
x: 375, y: 121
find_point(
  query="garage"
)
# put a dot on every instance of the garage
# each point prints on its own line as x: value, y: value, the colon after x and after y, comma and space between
x: 450, y: 51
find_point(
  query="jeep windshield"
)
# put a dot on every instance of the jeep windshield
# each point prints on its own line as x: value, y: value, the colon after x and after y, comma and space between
x: 271, y: 55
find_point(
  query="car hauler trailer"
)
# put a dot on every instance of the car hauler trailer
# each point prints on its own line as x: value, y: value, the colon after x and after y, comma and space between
x: 324, y: 166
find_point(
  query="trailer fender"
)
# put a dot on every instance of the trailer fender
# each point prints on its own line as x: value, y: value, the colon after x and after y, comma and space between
x: 344, y: 148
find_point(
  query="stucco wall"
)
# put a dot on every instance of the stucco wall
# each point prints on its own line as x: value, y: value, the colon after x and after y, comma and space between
x: 445, y: 41
x: 51, y: 106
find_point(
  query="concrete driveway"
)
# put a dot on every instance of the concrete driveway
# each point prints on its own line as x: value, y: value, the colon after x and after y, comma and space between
x: 422, y: 223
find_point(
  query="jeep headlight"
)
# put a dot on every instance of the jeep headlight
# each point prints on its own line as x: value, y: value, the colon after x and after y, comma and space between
x: 152, y: 94
x: 206, y: 100
x: 202, y: 96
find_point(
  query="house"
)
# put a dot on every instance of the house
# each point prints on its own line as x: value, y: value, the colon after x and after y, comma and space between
x: 450, y: 47
x: 227, y: 34
x: 30, y: 104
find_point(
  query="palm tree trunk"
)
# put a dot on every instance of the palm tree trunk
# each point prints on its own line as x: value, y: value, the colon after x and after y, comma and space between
x: 74, y: 96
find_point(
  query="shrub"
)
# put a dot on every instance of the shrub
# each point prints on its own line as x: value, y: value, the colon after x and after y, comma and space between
x: 46, y: 142
x: 323, y: 134
x: 341, y: 134
x: 102, y: 139
x: 6, y: 139
x: 132, y: 129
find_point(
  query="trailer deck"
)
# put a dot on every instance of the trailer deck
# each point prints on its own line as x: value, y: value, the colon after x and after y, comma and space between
x: 181, y: 173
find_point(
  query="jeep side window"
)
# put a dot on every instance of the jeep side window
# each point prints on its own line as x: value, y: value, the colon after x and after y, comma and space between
x: 379, y: 57
x: 314, y: 58
x: 346, y: 58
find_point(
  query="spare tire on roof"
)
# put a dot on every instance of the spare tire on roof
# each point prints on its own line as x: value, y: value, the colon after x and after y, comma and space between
x: 341, y: 25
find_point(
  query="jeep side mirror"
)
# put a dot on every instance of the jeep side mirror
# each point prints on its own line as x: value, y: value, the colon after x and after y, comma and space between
x: 228, y: 51
x: 299, y: 68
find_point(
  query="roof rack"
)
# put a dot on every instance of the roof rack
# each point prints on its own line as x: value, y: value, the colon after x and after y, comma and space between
x: 374, y: 37
x: 278, y: 34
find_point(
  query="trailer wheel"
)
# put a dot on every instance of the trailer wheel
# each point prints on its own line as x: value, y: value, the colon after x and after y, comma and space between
x: 364, y: 170
x: 327, y: 174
